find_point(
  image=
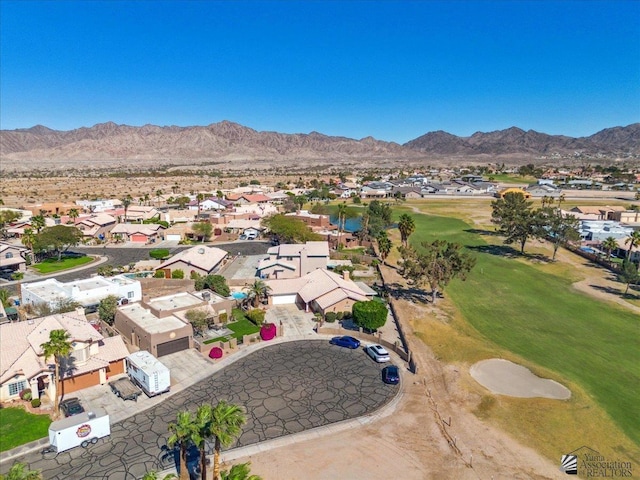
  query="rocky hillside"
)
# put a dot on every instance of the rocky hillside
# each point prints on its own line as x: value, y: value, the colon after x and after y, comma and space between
x: 233, y: 144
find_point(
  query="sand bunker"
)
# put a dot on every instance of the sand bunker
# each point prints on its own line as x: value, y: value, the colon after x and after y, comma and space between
x: 507, y: 378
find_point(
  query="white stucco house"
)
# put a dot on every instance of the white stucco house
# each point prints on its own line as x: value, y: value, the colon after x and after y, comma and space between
x: 87, y: 292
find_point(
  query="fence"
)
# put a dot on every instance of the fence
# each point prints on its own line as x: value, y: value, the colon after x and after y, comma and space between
x: 367, y: 338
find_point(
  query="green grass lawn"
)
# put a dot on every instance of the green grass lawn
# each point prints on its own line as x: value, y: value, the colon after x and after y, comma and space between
x: 242, y: 327
x: 18, y: 427
x: 51, y: 265
x: 533, y: 312
x: 506, y: 178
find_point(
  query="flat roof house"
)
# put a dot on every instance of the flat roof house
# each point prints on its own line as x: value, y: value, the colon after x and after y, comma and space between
x: 87, y: 292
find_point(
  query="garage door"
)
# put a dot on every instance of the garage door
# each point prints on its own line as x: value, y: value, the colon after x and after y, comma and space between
x: 174, y: 237
x: 284, y: 299
x: 173, y: 346
x: 138, y: 238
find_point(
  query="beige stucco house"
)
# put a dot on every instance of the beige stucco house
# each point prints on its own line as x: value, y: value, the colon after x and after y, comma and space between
x: 201, y: 259
x: 293, y: 260
x: 22, y: 364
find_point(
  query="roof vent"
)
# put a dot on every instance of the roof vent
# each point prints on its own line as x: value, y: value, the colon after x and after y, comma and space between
x: 91, y: 415
x: 201, y: 251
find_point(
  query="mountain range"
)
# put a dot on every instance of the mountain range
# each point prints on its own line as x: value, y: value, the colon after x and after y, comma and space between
x: 234, y: 145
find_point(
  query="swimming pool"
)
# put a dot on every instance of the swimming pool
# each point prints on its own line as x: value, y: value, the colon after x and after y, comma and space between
x: 238, y: 295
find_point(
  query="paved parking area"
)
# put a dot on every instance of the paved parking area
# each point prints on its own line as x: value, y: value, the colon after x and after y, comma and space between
x: 242, y: 268
x: 295, y: 322
x: 286, y: 388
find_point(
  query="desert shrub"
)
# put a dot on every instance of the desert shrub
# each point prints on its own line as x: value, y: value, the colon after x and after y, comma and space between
x: 159, y: 253
x: 223, y: 317
x: 256, y: 316
x: 330, y: 317
x: 26, y: 394
x: 179, y: 274
x: 17, y: 276
x: 35, y: 403
x: 159, y: 274
x: 340, y: 315
x: 370, y: 315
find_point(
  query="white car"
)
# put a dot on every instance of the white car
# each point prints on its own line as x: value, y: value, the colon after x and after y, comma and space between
x: 378, y: 353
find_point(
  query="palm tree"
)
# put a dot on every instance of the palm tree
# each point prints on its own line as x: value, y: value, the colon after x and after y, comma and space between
x: 158, y: 195
x: 199, y: 198
x: 28, y: 239
x: 4, y: 297
x: 609, y: 245
x: 18, y: 471
x: 384, y: 245
x: 342, y: 218
x: 242, y: 471
x: 38, y: 222
x: 204, y: 415
x: 407, y: 226
x: 632, y: 240
x: 58, y: 347
x: 257, y: 291
x: 126, y: 201
x: 183, y: 432
x: 73, y: 214
x: 226, y: 425
x: 153, y: 475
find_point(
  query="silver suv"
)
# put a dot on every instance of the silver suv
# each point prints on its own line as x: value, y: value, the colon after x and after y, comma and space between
x: 378, y: 353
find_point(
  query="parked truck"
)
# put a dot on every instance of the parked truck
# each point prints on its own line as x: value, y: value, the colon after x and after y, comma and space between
x: 79, y: 430
x: 148, y: 373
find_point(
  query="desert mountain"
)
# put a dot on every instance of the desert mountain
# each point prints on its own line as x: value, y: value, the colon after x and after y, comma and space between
x: 232, y: 143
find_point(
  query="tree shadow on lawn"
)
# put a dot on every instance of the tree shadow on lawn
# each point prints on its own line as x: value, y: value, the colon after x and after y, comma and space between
x: 411, y: 294
x: 630, y: 295
x: 480, y: 231
x: 508, y: 252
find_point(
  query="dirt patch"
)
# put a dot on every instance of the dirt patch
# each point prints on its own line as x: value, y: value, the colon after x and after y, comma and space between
x: 508, y: 378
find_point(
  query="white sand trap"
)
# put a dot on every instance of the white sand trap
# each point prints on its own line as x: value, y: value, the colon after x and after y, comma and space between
x: 508, y: 378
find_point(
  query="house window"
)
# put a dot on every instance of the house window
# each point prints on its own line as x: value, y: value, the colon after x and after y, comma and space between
x: 129, y: 294
x: 8, y: 255
x: 16, y: 388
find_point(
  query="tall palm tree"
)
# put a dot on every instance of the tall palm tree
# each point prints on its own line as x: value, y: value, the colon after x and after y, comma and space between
x: 199, y: 198
x: 632, y: 240
x: 58, y: 347
x: 183, y: 432
x: 226, y: 426
x: 126, y: 201
x: 242, y: 471
x: 342, y: 218
x: 28, y: 239
x: 257, y: 291
x: 18, y: 471
x: 204, y: 416
x: 609, y: 245
x: 407, y: 226
x: 4, y: 297
x: 158, y: 195
x: 384, y: 245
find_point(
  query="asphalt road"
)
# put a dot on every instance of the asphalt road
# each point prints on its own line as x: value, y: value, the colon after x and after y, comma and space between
x: 286, y: 388
x: 122, y: 256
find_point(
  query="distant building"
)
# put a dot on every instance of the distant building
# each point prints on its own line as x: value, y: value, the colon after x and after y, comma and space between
x: 294, y: 260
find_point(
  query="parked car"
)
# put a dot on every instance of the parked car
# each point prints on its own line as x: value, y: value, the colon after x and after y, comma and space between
x: 71, y: 406
x: 345, y: 341
x: 378, y: 353
x: 390, y: 374
x: 242, y: 237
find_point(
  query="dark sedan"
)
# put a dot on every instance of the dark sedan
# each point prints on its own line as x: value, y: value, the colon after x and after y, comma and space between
x: 346, y: 341
x: 71, y: 406
x: 391, y: 375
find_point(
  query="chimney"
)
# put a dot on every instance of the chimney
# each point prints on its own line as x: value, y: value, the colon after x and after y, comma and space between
x: 345, y: 274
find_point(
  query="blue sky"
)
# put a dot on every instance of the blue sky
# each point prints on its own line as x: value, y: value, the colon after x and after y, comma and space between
x: 390, y: 69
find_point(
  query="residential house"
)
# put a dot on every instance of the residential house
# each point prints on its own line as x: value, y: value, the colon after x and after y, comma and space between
x: 626, y: 216
x: 53, y: 208
x: 98, y: 206
x: 93, y: 360
x: 96, y: 226
x: 318, y: 291
x: 599, y: 230
x: 247, y: 198
x: 502, y: 193
x: 87, y: 292
x: 140, y: 213
x: 13, y: 257
x: 590, y: 212
x: 544, y: 190
x: 201, y: 259
x: 407, y: 193
x: 212, y: 203
x: 138, y: 233
x: 294, y: 260
x: 313, y: 220
x: 240, y: 226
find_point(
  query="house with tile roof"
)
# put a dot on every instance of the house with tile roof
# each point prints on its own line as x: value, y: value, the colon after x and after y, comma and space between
x: 319, y: 291
x: 93, y: 360
x: 293, y: 260
x: 138, y: 233
x: 96, y: 226
x: 201, y: 259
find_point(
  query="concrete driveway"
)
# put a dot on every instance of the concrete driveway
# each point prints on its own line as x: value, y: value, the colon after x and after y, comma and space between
x: 286, y: 388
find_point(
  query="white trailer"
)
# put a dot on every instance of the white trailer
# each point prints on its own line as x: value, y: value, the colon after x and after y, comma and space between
x: 148, y: 373
x: 79, y: 430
